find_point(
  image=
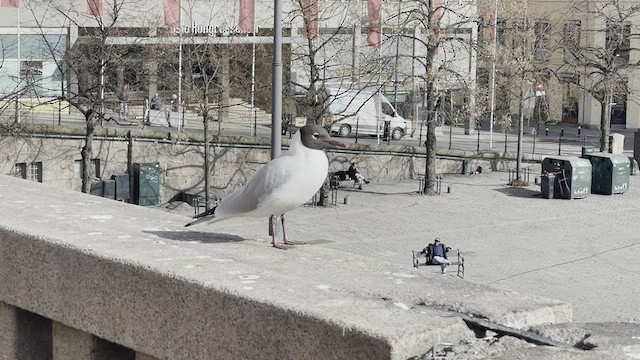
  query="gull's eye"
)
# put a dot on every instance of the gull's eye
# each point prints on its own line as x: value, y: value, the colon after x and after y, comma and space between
x: 316, y: 135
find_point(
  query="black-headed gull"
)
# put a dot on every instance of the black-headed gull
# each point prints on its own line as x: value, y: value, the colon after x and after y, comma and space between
x: 282, y: 184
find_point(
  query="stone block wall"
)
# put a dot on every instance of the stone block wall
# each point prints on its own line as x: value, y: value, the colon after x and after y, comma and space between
x: 232, y: 163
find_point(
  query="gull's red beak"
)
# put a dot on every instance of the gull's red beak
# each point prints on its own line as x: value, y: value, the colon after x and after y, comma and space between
x: 336, y: 143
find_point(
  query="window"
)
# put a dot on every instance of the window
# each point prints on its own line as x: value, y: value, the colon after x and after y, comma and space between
x: 35, y: 171
x: 387, y: 110
x: 618, y: 40
x: 541, y: 47
x: 571, y: 39
x: 20, y: 170
x: 95, y: 168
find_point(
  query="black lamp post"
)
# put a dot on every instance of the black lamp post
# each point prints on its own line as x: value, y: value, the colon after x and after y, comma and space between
x: 560, y: 141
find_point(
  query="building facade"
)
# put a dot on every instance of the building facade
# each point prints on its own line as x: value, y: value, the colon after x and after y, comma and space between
x: 130, y: 49
x: 575, y: 52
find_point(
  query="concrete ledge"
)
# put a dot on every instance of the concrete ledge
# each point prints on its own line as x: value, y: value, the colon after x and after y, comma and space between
x: 135, y: 277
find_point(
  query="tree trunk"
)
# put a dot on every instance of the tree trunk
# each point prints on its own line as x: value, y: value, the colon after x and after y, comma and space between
x: 206, y: 166
x: 520, y: 131
x: 605, y: 120
x: 430, y: 161
x: 432, y: 97
x: 223, y: 104
x: 87, y: 151
x: 130, y: 163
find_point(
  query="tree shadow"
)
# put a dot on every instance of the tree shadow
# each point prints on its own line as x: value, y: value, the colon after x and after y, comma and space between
x: 197, y: 236
x: 520, y: 192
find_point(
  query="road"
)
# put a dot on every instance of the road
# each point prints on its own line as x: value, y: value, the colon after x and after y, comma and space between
x: 546, y: 140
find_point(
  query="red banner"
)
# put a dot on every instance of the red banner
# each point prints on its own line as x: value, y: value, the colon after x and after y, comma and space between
x: 10, y: 3
x: 310, y: 17
x: 492, y: 23
x: 95, y: 7
x: 374, y: 10
x: 247, y: 15
x: 172, y: 13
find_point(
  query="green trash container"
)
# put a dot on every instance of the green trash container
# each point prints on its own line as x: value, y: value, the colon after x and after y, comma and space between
x: 96, y: 188
x: 572, y: 176
x: 146, y: 183
x: 109, y: 189
x: 610, y: 173
x: 122, y: 186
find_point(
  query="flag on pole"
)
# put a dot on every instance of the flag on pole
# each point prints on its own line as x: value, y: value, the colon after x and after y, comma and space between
x: 492, y: 24
x: 172, y: 13
x: 310, y: 18
x: 95, y: 7
x: 10, y: 3
x: 247, y: 15
x: 374, y: 11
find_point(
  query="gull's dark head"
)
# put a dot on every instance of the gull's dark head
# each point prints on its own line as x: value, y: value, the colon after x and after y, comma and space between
x: 316, y: 137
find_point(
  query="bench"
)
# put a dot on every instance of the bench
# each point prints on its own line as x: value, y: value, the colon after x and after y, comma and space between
x: 418, y: 255
x: 336, y: 178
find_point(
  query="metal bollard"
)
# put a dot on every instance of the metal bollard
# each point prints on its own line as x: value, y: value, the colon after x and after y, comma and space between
x: 439, y: 184
x: 334, y: 197
x: 346, y: 199
x: 448, y: 189
x: 420, y: 185
x: 560, y: 141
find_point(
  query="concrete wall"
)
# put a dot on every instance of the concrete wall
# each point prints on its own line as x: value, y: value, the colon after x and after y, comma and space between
x: 232, y: 162
x: 110, y: 280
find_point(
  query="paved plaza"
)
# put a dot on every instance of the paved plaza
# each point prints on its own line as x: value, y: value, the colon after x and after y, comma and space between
x: 580, y: 251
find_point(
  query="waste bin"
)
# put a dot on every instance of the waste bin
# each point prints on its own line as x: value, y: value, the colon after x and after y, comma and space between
x: 146, y: 184
x: 572, y: 176
x: 96, y: 188
x: 109, y: 189
x: 610, y: 173
x: 122, y: 186
x: 547, y: 183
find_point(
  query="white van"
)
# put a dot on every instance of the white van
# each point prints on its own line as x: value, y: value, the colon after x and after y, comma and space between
x: 362, y: 112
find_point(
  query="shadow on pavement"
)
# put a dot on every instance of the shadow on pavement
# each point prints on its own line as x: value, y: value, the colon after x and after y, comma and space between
x: 197, y: 236
x: 519, y: 192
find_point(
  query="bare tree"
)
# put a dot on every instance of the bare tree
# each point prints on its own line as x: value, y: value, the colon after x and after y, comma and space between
x: 213, y: 65
x: 604, y: 66
x: 86, y: 65
x: 334, y: 56
x: 440, y: 26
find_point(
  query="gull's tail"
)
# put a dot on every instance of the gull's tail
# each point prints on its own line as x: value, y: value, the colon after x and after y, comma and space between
x: 204, y: 217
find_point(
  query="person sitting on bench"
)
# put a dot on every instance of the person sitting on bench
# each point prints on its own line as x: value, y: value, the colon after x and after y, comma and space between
x: 437, y: 254
x: 356, y: 176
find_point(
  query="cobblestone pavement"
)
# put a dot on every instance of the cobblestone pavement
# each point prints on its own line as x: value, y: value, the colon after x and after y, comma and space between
x: 581, y: 251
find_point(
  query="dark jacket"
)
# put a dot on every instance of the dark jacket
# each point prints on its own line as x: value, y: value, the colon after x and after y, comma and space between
x: 429, y: 251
